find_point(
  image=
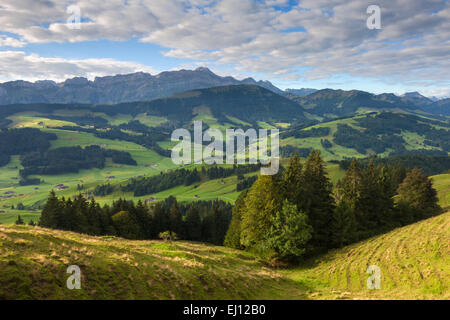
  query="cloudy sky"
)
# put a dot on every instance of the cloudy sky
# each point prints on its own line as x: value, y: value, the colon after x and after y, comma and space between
x: 294, y: 44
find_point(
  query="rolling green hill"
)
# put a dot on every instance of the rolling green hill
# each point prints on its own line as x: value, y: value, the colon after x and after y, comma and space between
x: 380, y: 133
x: 34, y: 263
x: 329, y: 103
x: 414, y: 263
x: 244, y: 106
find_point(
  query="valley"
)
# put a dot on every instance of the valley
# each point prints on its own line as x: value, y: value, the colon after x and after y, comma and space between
x: 120, y: 151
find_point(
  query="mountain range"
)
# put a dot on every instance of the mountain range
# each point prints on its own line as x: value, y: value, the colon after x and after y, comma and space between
x: 329, y: 103
x: 325, y: 103
x: 138, y: 86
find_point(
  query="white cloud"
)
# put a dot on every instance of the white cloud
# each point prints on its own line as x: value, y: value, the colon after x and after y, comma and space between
x: 314, y: 39
x: 11, y: 42
x: 19, y: 65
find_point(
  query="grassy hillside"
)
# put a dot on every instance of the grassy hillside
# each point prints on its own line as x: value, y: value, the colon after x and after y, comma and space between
x: 412, y: 133
x: 441, y: 183
x: 414, y: 262
x: 34, y: 262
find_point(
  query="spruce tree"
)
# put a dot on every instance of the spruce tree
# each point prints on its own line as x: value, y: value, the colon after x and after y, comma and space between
x: 80, y: 211
x: 126, y: 226
x: 219, y: 224
x: 19, y: 220
x: 293, y: 183
x: 175, y: 220
x: 288, y: 234
x: 193, y: 224
x: 233, y: 235
x: 319, y: 203
x: 348, y: 188
x: 417, y: 192
x: 343, y: 225
x: 263, y: 201
x: 51, y: 212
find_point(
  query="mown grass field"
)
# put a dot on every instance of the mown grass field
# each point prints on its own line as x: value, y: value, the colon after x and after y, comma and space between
x: 34, y: 263
x: 441, y: 183
x: 414, y: 263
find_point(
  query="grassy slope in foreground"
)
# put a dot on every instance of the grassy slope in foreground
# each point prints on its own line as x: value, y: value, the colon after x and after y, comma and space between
x: 414, y: 262
x: 33, y: 264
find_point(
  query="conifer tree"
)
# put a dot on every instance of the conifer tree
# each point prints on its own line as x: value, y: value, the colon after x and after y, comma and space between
x: 80, y: 219
x: 160, y: 220
x: 125, y: 225
x: 348, y: 188
x: 93, y: 218
x: 175, y: 220
x: 144, y: 219
x: 289, y: 233
x: 219, y: 224
x: 19, y: 220
x: 417, y: 192
x: 263, y: 201
x: 319, y: 204
x: 233, y: 235
x: 293, y: 183
x: 51, y: 212
x: 343, y: 225
x: 193, y: 224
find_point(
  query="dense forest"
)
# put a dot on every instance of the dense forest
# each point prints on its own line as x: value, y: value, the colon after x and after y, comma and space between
x: 382, y: 131
x: 164, y: 181
x: 21, y: 141
x: 144, y: 135
x: 245, y: 183
x: 430, y: 164
x: 205, y: 221
x: 298, y: 212
x: 70, y: 159
x: 313, y: 132
x: 362, y: 141
x: 288, y: 151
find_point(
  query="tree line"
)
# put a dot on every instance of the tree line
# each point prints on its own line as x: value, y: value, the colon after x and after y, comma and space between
x: 429, y: 164
x: 167, y: 180
x: 298, y: 212
x: 146, y: 137
x: 245, y: 182
x: 205, y: 221
x: 21, y: 141
x: 70, y: 159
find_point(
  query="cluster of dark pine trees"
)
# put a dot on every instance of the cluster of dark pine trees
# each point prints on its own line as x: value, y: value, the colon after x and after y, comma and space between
x: 164, y: 181
x: 21, y: 141
x: 298, y: 212
x: 71, y: 159
x: 245, y: 183
x: 205, y: 221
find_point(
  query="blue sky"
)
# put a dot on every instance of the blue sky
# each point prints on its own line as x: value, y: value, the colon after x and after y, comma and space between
x: 293, y: 44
